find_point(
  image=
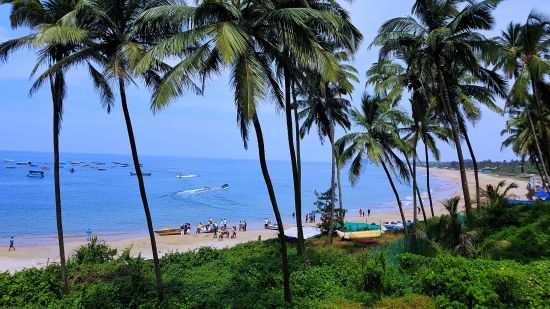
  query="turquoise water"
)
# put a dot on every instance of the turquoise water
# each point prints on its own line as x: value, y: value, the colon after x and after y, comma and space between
x: 108, y: 201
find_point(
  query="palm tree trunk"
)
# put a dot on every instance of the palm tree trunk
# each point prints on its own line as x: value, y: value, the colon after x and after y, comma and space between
x: 392, y: 184
x: 57, y: 97
x: 539, y: 103
x: 476, y: 170
x: 339, y: 186
x: 295, y: 176
x: 271, y: 191
x: 428, y: 179
x: 143, y: 195
x: 456, y: 138
x: 539, y: 151
x: 328, y: 241
x: 415, y: 216
x: 297, y: 134
x: 416, y: 189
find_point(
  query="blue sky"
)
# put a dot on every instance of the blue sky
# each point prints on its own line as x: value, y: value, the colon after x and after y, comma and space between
x: 198, y: 126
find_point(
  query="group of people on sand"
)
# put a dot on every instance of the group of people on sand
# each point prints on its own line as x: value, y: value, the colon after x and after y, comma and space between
x: 362, y: 212
x: 310, y: 217
x: 220, y: 230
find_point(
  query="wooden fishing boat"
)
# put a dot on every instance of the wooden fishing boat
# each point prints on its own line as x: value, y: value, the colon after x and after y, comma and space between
x: 169, y: 231
x: 358, y: 235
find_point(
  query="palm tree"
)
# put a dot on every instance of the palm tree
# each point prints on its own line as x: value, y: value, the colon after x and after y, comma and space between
x: 497, y: 195
x: 524, y: 59
x: 36, y: 15
x: 376, y: 140
x: 521, y: 136
x: 104, y: 31
x: 306, y: 29
x: 325, y: 110
x: 442, y: 35
x: 213, y: 36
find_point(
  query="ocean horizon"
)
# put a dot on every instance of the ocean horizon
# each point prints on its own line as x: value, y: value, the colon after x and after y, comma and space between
x: 102, y: 195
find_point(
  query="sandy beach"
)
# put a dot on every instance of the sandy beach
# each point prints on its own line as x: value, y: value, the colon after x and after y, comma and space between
x: 40, y: 256
x: 452, y: 175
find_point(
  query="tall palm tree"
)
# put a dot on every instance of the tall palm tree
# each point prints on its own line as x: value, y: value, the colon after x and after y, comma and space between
x: 36, y: 15
x: 212, y: 36
x: 326, y: 110
x: 325, y: 107
x: 104, y: 31
x: 525, y: 47
x: 376, y: 140
x: 442, y: 34
x: 329, y: 25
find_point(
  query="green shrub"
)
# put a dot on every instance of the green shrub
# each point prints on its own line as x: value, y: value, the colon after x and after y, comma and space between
x: 30, y: 287
x: 458, y: 282
x: 95, y: 251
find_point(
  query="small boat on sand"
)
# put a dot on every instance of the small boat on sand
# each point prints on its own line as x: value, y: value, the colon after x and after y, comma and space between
x: 358, y: 235
x: 143, y: 173
x: 36, y: 174
x: 168, y: 231
x: 272, y: 227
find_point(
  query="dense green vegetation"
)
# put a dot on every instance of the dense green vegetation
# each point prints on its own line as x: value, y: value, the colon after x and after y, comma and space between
x: 296, y: 53
x: 348, y: 275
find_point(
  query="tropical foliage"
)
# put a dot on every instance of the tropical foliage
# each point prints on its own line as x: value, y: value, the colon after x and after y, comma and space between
x: 434, y: 74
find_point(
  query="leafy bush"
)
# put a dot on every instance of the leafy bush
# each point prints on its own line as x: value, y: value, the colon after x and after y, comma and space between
x: 458, y: 282
x: 95, y: 251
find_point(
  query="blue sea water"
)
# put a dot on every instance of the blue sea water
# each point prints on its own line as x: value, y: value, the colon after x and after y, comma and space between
x: 107, y: 201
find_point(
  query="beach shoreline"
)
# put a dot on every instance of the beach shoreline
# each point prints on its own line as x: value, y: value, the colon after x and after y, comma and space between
x: 41, y: 255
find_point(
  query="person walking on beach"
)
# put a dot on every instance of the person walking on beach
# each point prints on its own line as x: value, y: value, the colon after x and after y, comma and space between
x: 368, y: 212
x: 234, y: 232
x: 293, y: 215
x: 360, y: 212
x: 244, y: 226
x: 307, y: 218
x: 215, y: 230
x: 12, y: 244
x: 266, y: 223
x: 225, y: 224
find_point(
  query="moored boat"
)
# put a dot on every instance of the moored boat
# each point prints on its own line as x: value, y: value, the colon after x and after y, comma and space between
x: 37, y: 174
x: 143, y: 174
x: 358, y: 235
x: 168, y: 231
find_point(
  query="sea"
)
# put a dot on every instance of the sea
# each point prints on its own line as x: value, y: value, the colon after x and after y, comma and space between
x: 98, y: 192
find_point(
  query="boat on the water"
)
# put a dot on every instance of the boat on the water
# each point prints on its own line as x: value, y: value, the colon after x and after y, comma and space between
x: 225, y: 186
x: 358, y: 235
x: 23, y: 163
x: 72, y: 170
x: 101, y: 169
x: 168, y: 231
x: 10, y: 167
x: 45, y: 168
x: 37, y: 174
x: 8, y: 160
x: 143, y: 173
